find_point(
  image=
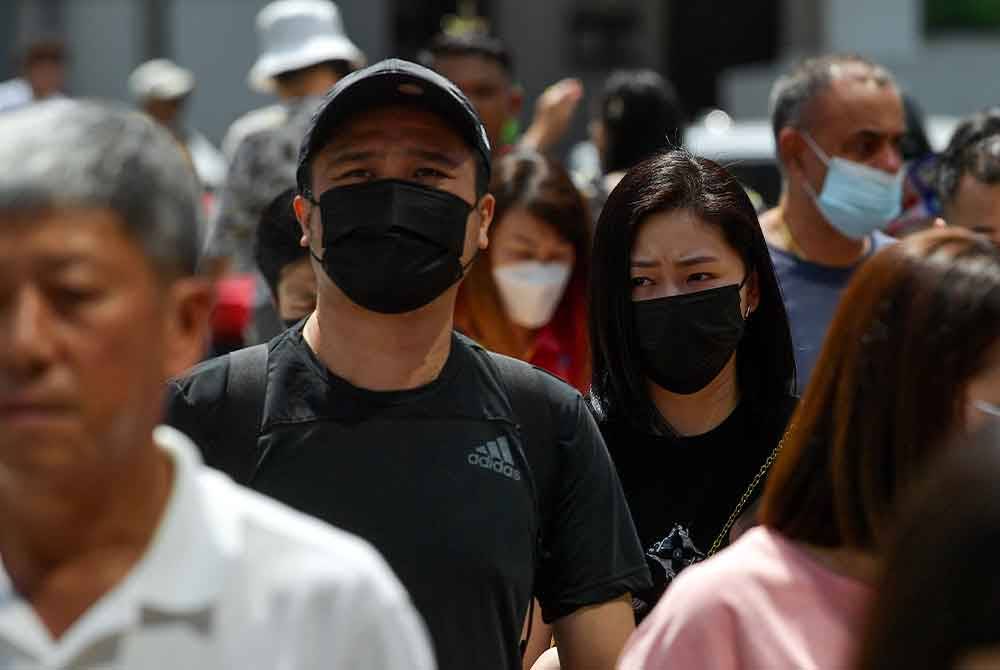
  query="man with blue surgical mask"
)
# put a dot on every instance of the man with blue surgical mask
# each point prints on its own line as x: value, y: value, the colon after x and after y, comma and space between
x: 838, y: 121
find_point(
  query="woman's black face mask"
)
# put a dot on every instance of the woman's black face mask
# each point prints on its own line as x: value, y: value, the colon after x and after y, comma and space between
x: 392, y: 246
x: 686, y: 340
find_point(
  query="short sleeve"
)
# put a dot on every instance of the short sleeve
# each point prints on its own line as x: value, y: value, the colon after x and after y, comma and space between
x: 590, y: 551
x: 691, y: 627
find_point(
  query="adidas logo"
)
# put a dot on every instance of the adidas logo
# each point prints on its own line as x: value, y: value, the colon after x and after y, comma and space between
x: 495, y: 456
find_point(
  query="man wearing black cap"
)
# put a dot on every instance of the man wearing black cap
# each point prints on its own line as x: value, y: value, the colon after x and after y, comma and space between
x: 482, y: 480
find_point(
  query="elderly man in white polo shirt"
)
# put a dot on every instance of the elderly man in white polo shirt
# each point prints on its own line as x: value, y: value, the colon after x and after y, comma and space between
x: 118, y: 548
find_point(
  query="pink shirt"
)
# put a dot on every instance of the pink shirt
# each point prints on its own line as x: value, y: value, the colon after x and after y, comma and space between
x: 764, y: 603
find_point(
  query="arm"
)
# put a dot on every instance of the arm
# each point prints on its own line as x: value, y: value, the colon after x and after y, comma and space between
x: 592, y: 638
x: 553, y: 113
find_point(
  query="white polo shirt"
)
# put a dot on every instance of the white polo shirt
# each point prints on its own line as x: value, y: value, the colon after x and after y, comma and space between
x: 234, y: 580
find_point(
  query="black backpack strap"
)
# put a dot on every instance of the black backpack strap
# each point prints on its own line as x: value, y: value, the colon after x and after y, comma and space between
x: 246, y: 387
x: 527, y: 398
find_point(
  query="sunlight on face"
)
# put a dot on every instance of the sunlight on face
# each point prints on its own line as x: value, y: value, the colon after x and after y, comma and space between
x: 676, y: 253
x: 521, y: 236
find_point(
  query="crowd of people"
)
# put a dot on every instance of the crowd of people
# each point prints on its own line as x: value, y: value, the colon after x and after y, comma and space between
x: 420, y: 394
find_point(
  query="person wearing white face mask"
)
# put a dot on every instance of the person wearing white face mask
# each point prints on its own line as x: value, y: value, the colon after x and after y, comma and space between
x: 838, y: 121
x: 526, y: 298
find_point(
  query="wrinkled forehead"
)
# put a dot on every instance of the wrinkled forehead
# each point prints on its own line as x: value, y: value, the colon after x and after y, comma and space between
x: 858, y: 96
x: 393, y: 127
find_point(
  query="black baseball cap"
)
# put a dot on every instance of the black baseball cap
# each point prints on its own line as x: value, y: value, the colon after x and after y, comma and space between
x: 390, y: 82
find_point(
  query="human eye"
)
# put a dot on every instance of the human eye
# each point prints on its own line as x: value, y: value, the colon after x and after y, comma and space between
x: 429, y: 173
x: 638, y: 282
x: 355, y: 175
x: 700, y: 277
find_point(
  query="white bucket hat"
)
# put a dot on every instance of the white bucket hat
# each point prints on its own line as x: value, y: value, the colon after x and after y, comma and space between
x: 294, y: 34
x: 160, y: 79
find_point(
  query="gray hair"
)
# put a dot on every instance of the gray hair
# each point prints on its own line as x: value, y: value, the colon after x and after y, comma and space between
x: 793, y: 92
x: 63, y: 153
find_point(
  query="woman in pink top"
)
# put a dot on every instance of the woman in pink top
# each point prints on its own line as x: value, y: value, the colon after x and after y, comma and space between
x: 912, y: 351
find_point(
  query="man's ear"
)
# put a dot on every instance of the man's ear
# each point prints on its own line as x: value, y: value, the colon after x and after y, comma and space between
x: 303, y: 209
x: 189, y: 303
x: 790, y: 148
x: 516, y: 102
x: 487, y: 206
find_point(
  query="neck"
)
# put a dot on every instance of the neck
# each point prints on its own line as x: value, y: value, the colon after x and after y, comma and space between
x: 382, y: 352
x: 65, y: 547
x: 524, y: 340
x: 313, y: 82
x: 698, y: 413
x: 852, y: 563
x: 797, y: 227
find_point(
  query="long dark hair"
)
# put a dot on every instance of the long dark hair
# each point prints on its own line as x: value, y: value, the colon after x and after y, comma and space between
x: 937, y: 595
x: 678, y: 181
x: 916, y: 323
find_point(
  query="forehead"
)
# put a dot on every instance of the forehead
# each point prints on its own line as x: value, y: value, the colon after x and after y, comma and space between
x: 93, y: 235
x: 856, y: 100
x: 397, y: 124
x: 677, y: 233
x: 975, y: 193
x: 467, y: 68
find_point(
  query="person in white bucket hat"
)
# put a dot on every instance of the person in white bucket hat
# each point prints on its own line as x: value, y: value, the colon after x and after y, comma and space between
x: 161, y: 89
x: 304, y: 51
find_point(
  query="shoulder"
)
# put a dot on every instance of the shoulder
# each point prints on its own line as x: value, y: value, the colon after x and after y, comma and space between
x: 520, y: 377
x: 291, y: 552
x: 205, y: 382
x: 252, y: 122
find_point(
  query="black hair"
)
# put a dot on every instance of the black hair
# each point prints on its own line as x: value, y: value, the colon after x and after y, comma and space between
x: 641, y: 115
x: 676, y: 181
x: 937, y: 598
x: 467, y: 44
x: 277, y: 243
x: 974, y: 149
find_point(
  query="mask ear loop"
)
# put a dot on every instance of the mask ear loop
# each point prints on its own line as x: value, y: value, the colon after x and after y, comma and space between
x: 742, y: 284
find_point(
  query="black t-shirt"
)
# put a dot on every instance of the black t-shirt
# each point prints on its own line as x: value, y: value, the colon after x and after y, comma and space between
x: 440, y: 481
x: 682, y: 490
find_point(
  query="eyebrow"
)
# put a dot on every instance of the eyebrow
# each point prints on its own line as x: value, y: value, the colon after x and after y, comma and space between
x: 643, y: 263
x: 353, y: 156
x: 695, y: 260
x: 435, y: 157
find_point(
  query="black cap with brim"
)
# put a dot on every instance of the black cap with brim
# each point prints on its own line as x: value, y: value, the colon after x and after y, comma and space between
x: 389, y: 82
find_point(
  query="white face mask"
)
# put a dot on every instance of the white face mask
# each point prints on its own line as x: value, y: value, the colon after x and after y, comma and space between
x: 531, y: 291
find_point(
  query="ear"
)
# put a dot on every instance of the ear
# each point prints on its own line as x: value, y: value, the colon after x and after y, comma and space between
x: 303, y: 210
x: 189, y: 306
x: 751, y: 293
x: 516, y: 103
x: 790, y: 148
x: 487, y: 206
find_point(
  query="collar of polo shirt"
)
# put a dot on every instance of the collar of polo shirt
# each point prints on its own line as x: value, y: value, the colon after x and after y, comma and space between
x: 181, y: 574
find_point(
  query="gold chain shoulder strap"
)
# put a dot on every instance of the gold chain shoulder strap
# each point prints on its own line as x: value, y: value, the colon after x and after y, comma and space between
x: 720, y: 540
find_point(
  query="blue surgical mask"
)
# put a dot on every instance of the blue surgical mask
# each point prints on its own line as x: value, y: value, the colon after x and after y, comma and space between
x: 856, y: 199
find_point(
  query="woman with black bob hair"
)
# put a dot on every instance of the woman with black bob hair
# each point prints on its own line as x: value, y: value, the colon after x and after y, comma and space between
x: 693, y: 367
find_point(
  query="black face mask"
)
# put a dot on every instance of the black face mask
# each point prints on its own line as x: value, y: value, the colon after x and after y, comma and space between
x: 686, y: 340
x: 392, y: 246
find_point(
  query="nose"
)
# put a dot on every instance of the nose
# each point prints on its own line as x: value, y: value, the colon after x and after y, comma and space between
x: 890, y: 159
x: 26, y: 333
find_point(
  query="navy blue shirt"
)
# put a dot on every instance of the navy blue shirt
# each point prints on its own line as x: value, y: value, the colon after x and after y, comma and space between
x: 811, y: 294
